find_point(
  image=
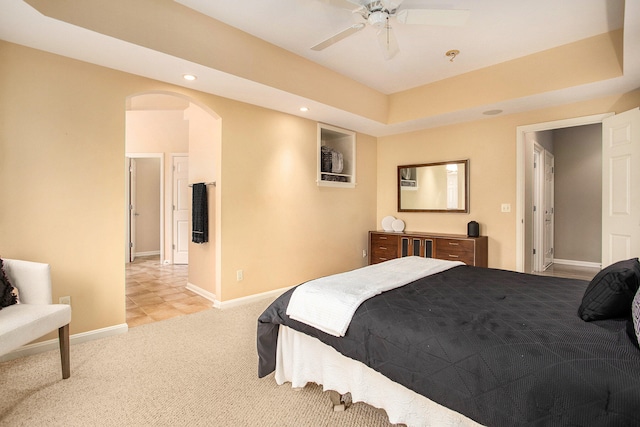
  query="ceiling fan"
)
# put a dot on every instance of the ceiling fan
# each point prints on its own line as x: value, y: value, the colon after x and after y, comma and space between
x: 378, y: 13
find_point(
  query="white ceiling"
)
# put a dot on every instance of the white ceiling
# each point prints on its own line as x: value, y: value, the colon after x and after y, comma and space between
x: 497, y: 30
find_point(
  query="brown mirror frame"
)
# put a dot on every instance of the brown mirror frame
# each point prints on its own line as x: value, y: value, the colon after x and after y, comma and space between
x: 423, y: 187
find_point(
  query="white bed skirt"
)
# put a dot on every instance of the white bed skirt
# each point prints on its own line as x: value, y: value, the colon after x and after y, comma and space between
x: 301, y: 359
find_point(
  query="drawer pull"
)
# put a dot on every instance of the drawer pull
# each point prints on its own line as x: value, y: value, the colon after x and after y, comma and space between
x: 382, y: 238
x: 383, y: 248
x: 383, y: 259
x: 453, y: 256
x: 454, y: 244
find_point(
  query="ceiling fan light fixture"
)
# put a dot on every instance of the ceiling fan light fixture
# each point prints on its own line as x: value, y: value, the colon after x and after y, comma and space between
x: 378, y: 19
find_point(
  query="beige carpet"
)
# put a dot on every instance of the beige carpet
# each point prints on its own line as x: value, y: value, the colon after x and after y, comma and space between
x: 195, y: 370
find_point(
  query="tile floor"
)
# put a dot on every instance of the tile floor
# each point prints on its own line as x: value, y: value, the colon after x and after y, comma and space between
x: 157, y: 292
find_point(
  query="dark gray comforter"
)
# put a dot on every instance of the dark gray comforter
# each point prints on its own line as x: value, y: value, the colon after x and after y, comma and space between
x: 500, y: 347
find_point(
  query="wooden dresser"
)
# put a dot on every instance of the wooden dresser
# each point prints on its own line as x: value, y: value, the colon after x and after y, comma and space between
x: 384, y: 246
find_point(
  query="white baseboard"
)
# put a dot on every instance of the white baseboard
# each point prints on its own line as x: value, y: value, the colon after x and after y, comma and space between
x: 237, y: 301
x: 205, y: 294
x: 39, y: 347
x: 577, y: 263
x: 251, y: 298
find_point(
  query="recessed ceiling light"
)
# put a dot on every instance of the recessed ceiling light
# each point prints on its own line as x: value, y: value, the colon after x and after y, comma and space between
x: 189, y: 77
x: 304, y: 109
x: 492, y: 112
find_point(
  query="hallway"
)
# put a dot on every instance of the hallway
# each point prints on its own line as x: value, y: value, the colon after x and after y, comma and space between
x: 158, y: 292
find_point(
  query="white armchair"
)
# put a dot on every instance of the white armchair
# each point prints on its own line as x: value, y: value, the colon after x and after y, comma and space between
x: 35, y: 316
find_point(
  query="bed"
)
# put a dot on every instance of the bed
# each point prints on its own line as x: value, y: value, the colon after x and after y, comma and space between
x: 475, y: 346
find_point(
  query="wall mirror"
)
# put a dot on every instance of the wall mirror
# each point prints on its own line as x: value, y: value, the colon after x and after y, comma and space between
x: 434, y: 187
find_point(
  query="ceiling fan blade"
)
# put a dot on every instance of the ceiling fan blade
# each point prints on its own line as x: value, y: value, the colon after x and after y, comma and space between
x: 391, y: 5
x: 342, y: 4
x: 443, y: 17
x: 337, y: 37
x: 388, y: 42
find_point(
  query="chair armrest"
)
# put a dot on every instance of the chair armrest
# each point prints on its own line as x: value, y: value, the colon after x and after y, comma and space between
x: 33, y: 280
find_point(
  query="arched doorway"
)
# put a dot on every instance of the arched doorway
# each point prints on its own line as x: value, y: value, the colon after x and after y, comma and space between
x: 175, y: 277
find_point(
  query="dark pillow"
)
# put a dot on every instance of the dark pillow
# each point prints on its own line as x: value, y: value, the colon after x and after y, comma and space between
x: 610, y: 293
x: 7, y: 296
x: 633, y: 324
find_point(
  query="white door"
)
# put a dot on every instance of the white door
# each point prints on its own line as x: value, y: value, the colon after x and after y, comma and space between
x: 132, y: 210
x: 548, y: 209
x: 621, y: 187
x: 537, y: 206
x: 181, y: 210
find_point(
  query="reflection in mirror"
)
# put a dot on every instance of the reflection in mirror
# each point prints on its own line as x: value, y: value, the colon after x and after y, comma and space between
x: 436, y: 187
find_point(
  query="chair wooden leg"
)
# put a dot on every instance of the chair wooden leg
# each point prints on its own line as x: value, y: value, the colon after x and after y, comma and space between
x: 63, y: 337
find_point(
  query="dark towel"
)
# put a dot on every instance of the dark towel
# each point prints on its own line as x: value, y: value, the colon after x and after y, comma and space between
x: 200, y: 214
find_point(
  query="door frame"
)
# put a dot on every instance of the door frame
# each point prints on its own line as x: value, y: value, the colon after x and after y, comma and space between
x: 161, y: 207
x: 174, y: 243
x: 523, y: 170
x: 548, y: 236
x: 537, y: 219
x: 132, y: 202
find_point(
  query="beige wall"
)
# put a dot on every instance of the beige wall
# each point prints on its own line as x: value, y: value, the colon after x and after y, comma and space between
x: 62, y: 174
x: 490, y: 145
x: 205, y: 139
x: 62, y: 150
x: 298, y: 230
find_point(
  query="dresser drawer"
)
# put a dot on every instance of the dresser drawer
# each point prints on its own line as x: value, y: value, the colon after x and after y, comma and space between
x: 456, y: 250
x: 383, y: 248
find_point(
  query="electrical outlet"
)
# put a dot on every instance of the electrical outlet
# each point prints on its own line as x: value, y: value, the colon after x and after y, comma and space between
x: 239, y: 275
x: 65, y: 300
x: 506, y: 207
x: 364, y: 253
